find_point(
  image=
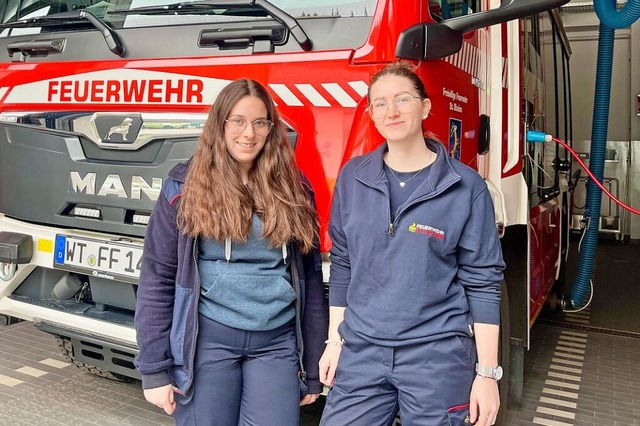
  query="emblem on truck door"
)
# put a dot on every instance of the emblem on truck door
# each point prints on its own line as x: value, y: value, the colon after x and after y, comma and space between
x: 121, y: 129
x: 116, y: 128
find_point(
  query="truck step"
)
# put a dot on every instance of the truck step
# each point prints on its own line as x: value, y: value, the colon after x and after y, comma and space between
x: 114, y: 315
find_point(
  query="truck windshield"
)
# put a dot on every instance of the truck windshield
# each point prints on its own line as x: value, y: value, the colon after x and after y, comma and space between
x: 446, y: 9
x: 144, y: 13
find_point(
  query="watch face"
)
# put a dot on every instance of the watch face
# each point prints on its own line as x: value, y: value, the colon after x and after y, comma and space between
x: 497, y: 373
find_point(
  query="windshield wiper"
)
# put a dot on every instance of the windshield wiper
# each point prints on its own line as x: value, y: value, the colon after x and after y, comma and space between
x: 110, y: 36
x: 234, y: 7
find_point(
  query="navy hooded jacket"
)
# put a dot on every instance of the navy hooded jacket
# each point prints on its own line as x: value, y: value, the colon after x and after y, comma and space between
x: 166, y: 317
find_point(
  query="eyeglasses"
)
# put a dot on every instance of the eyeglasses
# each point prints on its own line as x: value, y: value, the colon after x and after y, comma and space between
x: 403, y: 103
x: 261, y: 127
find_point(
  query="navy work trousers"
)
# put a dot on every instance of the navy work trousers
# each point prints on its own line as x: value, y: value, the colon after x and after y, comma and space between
x: 243, y: 378
x: 428, y: 383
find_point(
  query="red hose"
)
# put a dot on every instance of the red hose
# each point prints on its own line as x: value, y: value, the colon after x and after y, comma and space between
x: 593, y: 178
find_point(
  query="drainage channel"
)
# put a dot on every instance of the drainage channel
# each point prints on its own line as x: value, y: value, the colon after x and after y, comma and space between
x: 588, y: 328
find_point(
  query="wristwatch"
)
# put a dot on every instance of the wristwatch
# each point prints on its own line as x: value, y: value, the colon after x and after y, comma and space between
x: 494, y: 373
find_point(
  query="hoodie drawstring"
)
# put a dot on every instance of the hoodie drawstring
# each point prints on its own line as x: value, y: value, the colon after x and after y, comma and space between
x: 227, y: 249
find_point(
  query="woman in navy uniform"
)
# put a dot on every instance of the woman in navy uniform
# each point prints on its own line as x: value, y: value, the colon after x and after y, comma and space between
x: 415, y: 277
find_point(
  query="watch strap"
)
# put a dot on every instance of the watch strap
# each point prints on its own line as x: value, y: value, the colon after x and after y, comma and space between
x: 494, y: 373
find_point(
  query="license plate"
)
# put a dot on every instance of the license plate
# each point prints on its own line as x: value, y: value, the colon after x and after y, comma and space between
x: 98, y: 258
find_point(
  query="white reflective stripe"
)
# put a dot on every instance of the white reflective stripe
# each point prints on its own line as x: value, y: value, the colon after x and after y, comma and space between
x: 511, y: 77
x: 463, y: 57
x: 505, y: 71
x: 339, y: 94
x: 474, y: 60
x: 467, y: 57
x: 360, y: 87
x: 313, y: 95
x: 286, y: 95
x: 482, y: 66
x: 3, y: 91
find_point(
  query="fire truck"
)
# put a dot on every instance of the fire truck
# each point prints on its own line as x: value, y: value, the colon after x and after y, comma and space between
x: 100, y: 99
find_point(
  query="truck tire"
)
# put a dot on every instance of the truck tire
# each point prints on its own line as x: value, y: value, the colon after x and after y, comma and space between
x: 503, y: 354
x: 67, y: 351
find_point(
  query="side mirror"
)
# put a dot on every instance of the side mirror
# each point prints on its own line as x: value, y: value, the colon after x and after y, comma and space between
x: 432, y: 41
x: 428, y: 41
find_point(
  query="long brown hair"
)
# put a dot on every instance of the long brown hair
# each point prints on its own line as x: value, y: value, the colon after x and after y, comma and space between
x: 216, y: 204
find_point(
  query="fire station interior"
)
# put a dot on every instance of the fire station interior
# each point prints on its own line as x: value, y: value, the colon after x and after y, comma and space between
x: 580, y: 357
x: 580, y: 368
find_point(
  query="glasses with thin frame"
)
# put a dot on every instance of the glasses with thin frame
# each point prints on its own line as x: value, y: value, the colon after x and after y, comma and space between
x: 403, y: 103
x: 261, y: 126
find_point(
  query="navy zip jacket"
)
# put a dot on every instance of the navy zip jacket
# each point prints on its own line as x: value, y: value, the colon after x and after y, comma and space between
x: 428, y: 273
x: 166, y: 317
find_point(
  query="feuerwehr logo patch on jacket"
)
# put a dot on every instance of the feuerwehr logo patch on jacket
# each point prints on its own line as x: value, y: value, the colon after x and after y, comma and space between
x: 426, y: 230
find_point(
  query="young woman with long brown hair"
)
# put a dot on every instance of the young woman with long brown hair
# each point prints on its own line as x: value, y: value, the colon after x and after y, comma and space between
x: 230, y: 313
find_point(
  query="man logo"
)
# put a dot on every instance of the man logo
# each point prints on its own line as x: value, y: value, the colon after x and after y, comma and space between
x: 122, y: 129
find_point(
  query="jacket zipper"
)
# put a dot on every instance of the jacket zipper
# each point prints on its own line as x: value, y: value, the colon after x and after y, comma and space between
x: 296, y: 286
x: 195, y: 337
x: 392, y: 224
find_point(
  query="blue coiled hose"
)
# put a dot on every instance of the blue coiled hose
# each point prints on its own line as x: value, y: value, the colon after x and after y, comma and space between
x: 625, y: 17
x: 610, y: 19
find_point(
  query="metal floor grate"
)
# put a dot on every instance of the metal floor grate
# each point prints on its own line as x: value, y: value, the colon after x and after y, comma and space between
x: 589, y: 328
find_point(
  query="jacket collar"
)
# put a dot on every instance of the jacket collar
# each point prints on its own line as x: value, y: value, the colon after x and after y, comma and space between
x: 441, y: 176
x: 179, y: 171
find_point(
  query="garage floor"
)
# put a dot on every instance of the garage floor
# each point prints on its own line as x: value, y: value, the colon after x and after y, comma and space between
x: 583, y: 368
